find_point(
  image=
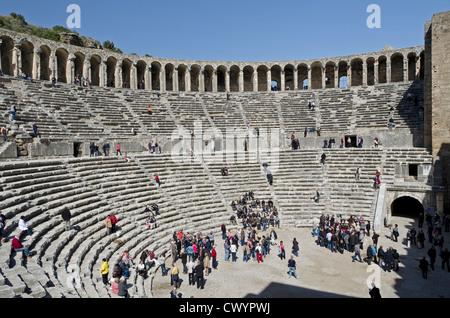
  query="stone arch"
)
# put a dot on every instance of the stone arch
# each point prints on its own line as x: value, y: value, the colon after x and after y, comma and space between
x: 397, y: 67
x: 208, y: 75
x: 289, y: 77
x: 61, y: 64
x: 342, y: 74
x: 96, y: 62
x: 275, y: 76
x: 169, y: 72
x: 330, y: 70
x: 262, y: 78
x: 195, y: 78
x: 141, y: 67
x: 316, y: 75
x: 27, y: 56
x: 357, y: 71
x: 126, y: 73
x: 182, y: 71
x: 44, y: 64
x: 156, y: 70
x: 234, y: 78
x: 382, y: 69
x: 111, y: 64
x: 407, y: 205
x: 221, y: 71
x: 248, y: 78
x: 302, y: 76
x: 412, y: 66
x: 78, y: 64
x: 7, y: 47
x: 370, y: 71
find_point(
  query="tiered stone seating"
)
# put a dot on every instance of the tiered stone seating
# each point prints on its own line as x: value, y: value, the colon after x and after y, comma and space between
x: 110, y: 111
x: 374, y: 103
x: 295, y: 181
x: 296, y: 114
x: 261, y: 109
x: 245, y: 174
x: 336, y: 110
x: 65, y: 106
x: 160, y: 122
x: 194, y: 196
x: 346, y: 195
x: 225, y: 114
x: 187, y: 109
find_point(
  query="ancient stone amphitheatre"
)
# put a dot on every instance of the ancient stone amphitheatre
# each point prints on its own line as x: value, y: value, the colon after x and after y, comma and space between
x: 204, y: 116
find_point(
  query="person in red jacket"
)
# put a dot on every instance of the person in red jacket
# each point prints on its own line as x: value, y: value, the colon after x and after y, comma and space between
x: 113, y: 222
x: 157, y: 181
x: 214, y: 257
x: 18, y: 247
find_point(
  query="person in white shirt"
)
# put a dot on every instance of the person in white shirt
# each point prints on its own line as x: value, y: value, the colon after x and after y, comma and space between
x: 24, y: 227
x: 233, y: 250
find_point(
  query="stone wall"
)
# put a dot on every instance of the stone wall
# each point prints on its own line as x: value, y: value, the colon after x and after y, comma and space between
x: 437, y: 97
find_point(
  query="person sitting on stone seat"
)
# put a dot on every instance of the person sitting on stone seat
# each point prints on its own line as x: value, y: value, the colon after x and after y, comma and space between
x: 17, y: 246
x: 224, y: 171
x: 127, y: 158
x: 322, y: 158
x: 269, y: 177
x: 155, y: 208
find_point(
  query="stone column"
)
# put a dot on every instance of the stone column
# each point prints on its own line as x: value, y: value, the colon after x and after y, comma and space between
x: 53, y: 66
x: 36, y: 70
x: 133, y: 75
x: 102, y: 74
x: 309, y: 78
x: 255, y: 80
x: 295, y: 78
x: 349, y: 75
x: 336, y: 76
x: 214, y: 81
x: 148, y: 77
x: 269, y: 80
x: 241, y: 80
x: 201, y: 80
x: 118, y: 75
x: 388, y: 69
x: 227, y: 80
x: 324, y: 75
x: 364, y: 74
x: 16, y: 60
x: 175, y: 79
x: 283, y: 84
x: 417, y: 73
x: 70, y: 69
x: 187, y: 80
x: 405, y: 69
x: 376, y: 80
x: 162, y: 79
x: 87, y: 67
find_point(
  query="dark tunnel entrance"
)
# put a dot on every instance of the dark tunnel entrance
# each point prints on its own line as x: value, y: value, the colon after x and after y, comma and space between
x: 406, y: 206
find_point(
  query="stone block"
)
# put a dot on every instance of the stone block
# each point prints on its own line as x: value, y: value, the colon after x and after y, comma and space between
x: 46, y: 148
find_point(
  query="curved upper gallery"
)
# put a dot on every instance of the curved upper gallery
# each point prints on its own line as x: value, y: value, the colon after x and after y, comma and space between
x: 44, y: 59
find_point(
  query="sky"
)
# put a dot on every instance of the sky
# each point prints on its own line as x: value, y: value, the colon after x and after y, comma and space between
x: 239, y: 30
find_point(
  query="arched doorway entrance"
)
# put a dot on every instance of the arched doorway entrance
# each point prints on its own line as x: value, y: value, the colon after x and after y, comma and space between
x: 406, y: 206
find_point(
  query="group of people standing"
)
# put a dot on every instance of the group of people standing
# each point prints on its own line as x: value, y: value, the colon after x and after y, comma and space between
x: 341, y: 235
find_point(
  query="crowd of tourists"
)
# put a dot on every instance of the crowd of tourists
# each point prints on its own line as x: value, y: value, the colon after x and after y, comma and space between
x: 353, y: 235
x: 350, y: 235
